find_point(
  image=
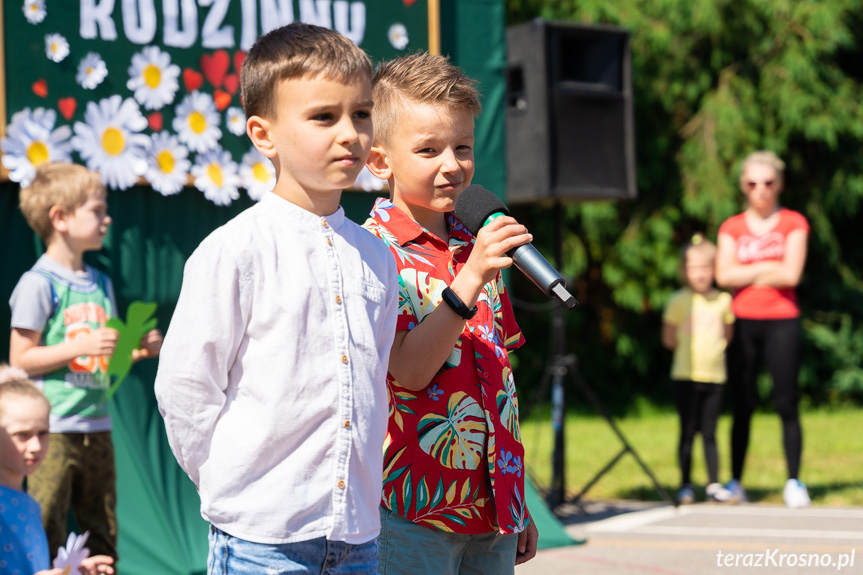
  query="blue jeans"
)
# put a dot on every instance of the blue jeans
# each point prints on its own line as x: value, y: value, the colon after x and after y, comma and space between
x: 407, y: 548
x: 230, y: 555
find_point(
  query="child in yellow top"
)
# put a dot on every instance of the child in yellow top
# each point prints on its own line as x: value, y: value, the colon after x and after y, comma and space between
x: 697, y: 325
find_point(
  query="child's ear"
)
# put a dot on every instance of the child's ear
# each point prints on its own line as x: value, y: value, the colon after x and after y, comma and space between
x: 58, y: 215
x: 379, y: 163
x: 258, y: 130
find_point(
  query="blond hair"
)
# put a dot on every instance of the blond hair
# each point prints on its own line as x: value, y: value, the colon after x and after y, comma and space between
x: 418, y: 78
x: 766, y: 158
x: 700, y: 245
x: 297, y: 50
x: 14, y: 382
x: 62, y: 184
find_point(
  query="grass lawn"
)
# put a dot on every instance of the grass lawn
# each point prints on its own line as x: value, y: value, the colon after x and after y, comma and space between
x: 832, y: 465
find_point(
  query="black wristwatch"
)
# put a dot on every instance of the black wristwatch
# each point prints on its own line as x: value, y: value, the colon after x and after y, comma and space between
x: 457, y: 305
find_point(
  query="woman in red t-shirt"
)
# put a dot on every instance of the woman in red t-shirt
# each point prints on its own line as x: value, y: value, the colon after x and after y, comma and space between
x: 760, y: 258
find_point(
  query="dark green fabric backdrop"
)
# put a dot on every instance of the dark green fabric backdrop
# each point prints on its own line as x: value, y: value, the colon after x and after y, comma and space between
x: 161, y: 530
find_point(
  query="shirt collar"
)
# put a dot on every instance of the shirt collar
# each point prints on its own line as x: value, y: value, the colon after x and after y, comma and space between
x: 285, y: 209
x: 405, y: 229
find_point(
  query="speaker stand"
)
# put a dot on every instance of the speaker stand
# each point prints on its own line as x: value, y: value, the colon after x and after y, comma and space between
x: 561, y: 365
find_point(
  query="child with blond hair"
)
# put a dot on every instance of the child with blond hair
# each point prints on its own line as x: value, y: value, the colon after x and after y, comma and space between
x: 59, y: 311
x: 697, y: 325
x: 24, y: 441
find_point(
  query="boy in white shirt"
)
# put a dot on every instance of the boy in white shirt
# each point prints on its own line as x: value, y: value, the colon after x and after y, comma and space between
x: 272, y: 380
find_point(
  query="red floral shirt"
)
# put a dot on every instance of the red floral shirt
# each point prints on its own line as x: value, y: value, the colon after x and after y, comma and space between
x: 453, y: 458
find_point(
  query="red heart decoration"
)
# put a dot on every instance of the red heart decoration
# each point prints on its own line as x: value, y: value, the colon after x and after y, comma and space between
x: 40, y: 88
x: 222, y: 99
x: 232, y: 83
x: 193, y: 80
x: 239, y: 58
x: 155, y: 121
x: 409, y: 2
x: 67, y: 107
x: 215, y: 67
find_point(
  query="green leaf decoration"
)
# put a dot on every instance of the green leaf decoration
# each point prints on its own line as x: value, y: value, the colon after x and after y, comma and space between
x: 139, y: 321
x: 422, y: 495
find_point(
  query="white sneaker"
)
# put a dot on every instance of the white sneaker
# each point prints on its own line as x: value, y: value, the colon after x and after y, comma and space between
x: 715, y: 492
x: 685, y: 495
x: 795, y: 494
x: 736, y: 490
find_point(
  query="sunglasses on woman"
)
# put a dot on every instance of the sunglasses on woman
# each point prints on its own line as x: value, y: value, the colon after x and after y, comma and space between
x: 750, y: 185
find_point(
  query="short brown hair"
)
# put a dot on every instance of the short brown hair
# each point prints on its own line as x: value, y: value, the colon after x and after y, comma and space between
x: 14, y: 382
x: 419, y: 78
x: 57, y: 184
x: 297, y: 50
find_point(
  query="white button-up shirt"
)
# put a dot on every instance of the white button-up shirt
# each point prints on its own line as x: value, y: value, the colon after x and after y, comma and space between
x: 272, y: 376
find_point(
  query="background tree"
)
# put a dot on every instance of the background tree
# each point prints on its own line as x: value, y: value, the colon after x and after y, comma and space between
x: 714, y: 80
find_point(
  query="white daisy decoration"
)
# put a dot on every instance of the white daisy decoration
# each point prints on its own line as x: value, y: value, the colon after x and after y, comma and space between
x: 257, y: 173
x: 236, y: 121
x: 196, y: 121
x: 31, y: 140
x: 153, y: 78
x: 110, y: 142
x: 368, y: 182
x: 56, y: 47
x: 34, y: 10
x: 398, y: 36
x: 168, y: 164
x: 216, y: 175
x: 91, y: 71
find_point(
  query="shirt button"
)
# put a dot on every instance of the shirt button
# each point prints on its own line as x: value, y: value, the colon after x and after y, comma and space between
x: 338, y: 299
x: 341, y: 484
x: 325, y: 223
x: 329, y: 242
x: 347, y: 424
x: 344, y: 359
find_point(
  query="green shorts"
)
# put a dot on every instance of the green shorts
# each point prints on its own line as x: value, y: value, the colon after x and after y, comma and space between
x: 406, y: 548
x: 78, y: 473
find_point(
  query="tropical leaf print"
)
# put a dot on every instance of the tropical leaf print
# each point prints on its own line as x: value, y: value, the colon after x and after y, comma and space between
x: 456, y: 440
x: 423, y: 291
x: 507, y: 404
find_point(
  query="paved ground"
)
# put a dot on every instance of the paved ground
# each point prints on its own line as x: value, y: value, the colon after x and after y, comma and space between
x: 704, y: 539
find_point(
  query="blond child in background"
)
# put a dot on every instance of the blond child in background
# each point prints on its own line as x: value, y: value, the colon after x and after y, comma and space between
x: 697, y: 325
x: 453, y: 496
x: 24, y: 441
x: 59, y: 310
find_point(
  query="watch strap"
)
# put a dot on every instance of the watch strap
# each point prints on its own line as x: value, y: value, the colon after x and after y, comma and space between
x: 458, y: 306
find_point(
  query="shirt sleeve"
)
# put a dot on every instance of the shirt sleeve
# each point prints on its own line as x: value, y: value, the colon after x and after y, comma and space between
x: 727, y: 314
x: 32, y: 302
x: 513, y: 338
x: 201, y: 344
x: 673, y: 310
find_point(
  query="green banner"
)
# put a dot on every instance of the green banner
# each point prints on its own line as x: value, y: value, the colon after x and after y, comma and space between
x: 151, y: 88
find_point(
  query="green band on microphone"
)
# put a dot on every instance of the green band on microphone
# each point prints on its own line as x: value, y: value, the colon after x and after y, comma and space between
x: 491, y: 217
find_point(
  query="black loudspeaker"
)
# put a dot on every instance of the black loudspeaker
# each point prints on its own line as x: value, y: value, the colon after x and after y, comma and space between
x: 569, y: 121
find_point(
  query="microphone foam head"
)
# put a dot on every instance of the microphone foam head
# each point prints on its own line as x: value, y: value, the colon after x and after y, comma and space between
x: 474, y: 205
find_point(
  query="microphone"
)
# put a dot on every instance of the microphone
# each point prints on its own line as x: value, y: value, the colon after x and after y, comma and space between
x: 476, y: 207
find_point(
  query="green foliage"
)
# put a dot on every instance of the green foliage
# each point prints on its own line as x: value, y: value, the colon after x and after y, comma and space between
x: 713, y: 81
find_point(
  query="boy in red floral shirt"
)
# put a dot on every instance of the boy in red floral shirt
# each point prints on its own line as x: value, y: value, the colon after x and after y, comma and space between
x: 453, y: 494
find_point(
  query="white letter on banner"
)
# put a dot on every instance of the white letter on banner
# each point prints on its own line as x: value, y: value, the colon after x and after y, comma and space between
x: 174, y: 36
x: 320, y: 15
x: 250, y: 24
x: 93, y: 14
x: 273, y: 16
x: 214, y: 35
x: 139, y: 21
x: 356, y: 32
